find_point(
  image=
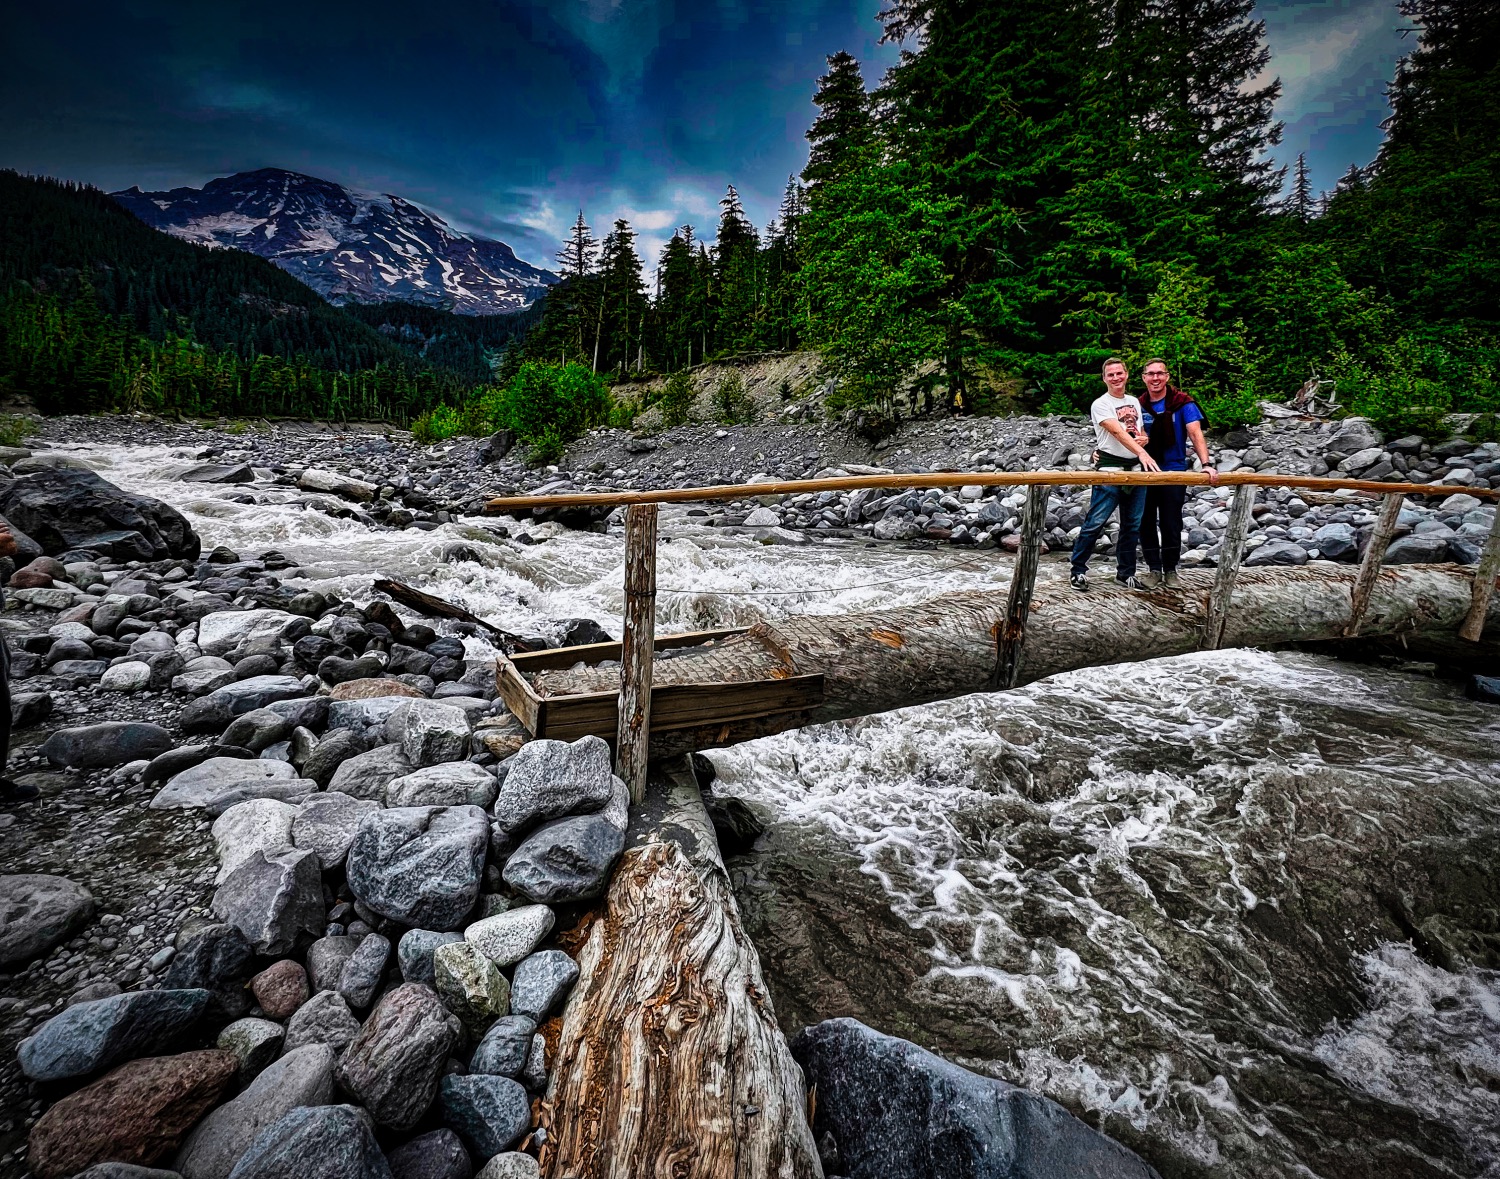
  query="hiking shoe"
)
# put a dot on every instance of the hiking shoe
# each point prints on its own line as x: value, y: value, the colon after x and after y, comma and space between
x: 1079, y: 582
x: 1171, y: 579
x: 1132, y: 583
x: 1150, y: 580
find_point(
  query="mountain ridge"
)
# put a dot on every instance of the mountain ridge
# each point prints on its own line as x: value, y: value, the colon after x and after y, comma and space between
x: 349, y: 245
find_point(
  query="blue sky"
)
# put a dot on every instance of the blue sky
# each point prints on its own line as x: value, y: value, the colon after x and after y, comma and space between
x: 506, y: 116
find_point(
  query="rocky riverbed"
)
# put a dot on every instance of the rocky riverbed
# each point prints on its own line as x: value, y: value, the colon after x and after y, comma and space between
x: 293, y: 817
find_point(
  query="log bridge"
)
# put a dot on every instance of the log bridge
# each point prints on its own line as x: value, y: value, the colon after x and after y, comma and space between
x: 670, y: 1061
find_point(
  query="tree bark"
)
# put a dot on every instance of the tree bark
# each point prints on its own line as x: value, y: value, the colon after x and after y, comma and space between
x: 670, y: 1061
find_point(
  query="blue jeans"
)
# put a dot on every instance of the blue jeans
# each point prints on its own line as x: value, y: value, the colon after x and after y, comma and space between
x: 1102, y: 504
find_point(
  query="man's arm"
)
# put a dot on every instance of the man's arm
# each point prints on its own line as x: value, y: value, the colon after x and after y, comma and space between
x: 1200, y: 444
x: 1112, y: 426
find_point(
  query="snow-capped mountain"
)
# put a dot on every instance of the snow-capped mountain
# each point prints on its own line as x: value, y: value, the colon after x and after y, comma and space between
x: 349, y: 246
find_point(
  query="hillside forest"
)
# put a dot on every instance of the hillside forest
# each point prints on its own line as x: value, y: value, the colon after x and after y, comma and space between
x: 1032, y: 187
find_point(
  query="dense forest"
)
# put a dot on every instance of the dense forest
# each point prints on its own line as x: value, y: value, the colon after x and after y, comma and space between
x: 98, y: 312
x: 1038, y: 185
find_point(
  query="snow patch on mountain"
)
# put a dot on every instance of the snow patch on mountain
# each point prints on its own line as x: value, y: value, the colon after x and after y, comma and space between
x: 349, y: 245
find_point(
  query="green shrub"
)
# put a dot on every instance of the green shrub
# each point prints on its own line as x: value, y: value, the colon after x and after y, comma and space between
x: 1059, y: 404
x: 15, y: 429
x: 732, y: 405
x: 1485, y: 428
x: 1225, y: 411
x: 566, y: 399
x: 547, y: 447
x: 676, y: 400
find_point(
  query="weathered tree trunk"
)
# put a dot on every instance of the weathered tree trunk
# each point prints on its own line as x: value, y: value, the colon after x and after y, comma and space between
x: 945, y: 647
x: 670, y: 1061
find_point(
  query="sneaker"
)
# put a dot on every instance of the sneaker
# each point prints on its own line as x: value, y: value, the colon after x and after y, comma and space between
x: 1132, y: 583
x: 1171, y: 579
x: 1150, y: 579
x: 1079, y: 582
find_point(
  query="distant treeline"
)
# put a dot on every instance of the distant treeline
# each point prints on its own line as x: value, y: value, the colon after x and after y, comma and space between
x: 101, y: 312
x: 1039, y: 184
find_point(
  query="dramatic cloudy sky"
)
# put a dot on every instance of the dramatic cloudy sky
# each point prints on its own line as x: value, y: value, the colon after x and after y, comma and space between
x: 507, y: 116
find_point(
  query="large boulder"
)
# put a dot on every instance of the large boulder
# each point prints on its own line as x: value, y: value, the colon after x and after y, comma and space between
x: 221, y: 782
x: 323, y: 1019
x: 221, y: 633
x: 37, y: 912
x: 438, y: 1154
x: 1420, y: 548
x: 257, y: 824
x: 490, y: 1113
x: 456, y: 783
x: 1277, y: 552
x: 395, y: 1063
x: 1336, y: 542
x: 429, y: 732
x: 64, y: 509
x: 109, y: 743
x: 505, y: 1047
x: 315, y: 1142
x: 550, y: 779
x: 896, y: 1111
x: 1354, y: 434
x: 271, y: 897
x: 421, y: 866
x: 471, y: 985
x: 89, y: 1036
x: 541, y: 982
x: 366, y: 775
x: 303, y: 1077
x: 566, y: 860
x: 214, y: 958
x: 136, y: 1114
x: 326, y: 824
x: 506, y: 938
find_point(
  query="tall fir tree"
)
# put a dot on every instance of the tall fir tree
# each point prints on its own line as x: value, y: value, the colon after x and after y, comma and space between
x: 843, y: 134
x: 1300, y: 204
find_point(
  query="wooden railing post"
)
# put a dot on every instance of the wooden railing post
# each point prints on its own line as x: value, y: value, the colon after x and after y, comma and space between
x: 1012, y: 634
x: 638, y: 648
x: 1484, y: 584
x: 1230, y: 555
x: 1369, y: 569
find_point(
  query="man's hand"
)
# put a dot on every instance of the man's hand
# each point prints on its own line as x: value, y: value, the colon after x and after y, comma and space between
x: 1148, y: 463
x: 1213, y: 475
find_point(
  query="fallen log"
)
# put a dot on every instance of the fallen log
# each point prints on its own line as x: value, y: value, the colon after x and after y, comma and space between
x: 883, y: 659
x: 432, y: 606
x: 670, y: 1061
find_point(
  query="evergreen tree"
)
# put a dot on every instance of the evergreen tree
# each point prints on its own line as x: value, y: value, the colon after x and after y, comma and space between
x: 623, y: 301
x: 576, y: 257
x: 844, y: 132
x: 737, y: 281
x: 1299, y: 203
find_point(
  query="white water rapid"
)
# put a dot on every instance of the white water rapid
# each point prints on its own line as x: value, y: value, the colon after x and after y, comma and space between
x: 1236, y: 908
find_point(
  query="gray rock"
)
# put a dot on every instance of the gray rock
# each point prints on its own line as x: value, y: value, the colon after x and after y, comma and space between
x: 505, y: 1048
x: 326, y: 959
x: 218, y: 473
x: 90, y: 1036
x: 257, y: 824
x: 308, y: 712
x: 111, y: 743
x: 334, y: 483
x: 491, y: 1114
x: 1336, y: 542
x: 323, y: 1019
x: 511, y: 1165
x: 395, y: 1063
x: 62, y: 509
x: 893, y: 1109
x: 1418, y: 549
x: 436, y: 1155
x: 366, y: 775
x: 257, y: 730
x: 213, y: 958
x: 1277, y: 552
x: 550, y: 779
x: 415, y: 950
x: 429, y: 732
x: 508, y: 937
x: 470, y: 985
x: 1352, y: 435
x: 1361, y: 460
x: 315, y: 1142
x: 1465, y: 550
x: 126, y: 677
x: 246, y: 695
x: 371, y: 712
x: 219, y: 782
x: 569, y: 859
x: 37, y: 912
x: 534, y: 1074
x: 541, y: 982
x: 255, y: 1044
x: 326, y: 824
x: 456, y: 783
x: 202, y: 681
x: 125, y: 1171
x: 223, y: 631
x: 332, y: 751
x: 421, y: 866
x: 271, y: 898
x: 362, y: 973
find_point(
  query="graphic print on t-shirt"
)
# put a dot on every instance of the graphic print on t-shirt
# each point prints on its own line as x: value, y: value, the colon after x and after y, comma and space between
x: 1128, y: 415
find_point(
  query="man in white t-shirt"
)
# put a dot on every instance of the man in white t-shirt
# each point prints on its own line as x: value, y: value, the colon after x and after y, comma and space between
x: 1120, y: 437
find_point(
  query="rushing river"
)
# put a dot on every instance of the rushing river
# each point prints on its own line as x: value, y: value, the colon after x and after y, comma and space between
x: 1238, y: 909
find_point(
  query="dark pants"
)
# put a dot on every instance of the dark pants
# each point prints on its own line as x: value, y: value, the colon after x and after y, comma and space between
x: 1103, y: 501
x: 1161, y: 528
x: 4, y: 705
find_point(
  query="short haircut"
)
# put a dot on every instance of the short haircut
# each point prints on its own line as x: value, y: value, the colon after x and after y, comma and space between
x: 1113, y: 360
x: 1157, y: 360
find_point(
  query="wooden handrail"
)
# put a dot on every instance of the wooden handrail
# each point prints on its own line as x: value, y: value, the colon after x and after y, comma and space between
x: 908, y: 482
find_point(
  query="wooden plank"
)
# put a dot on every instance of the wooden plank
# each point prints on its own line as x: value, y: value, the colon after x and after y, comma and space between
x: 1369, y: 569
x: 638, y: 650
x: 681, y: 706
x: 1012, y: 634
x: 517, y: 693
x: 687, y: 495
x: 1230, y: 555
x: 593, y: 653
x: 1484, y: 585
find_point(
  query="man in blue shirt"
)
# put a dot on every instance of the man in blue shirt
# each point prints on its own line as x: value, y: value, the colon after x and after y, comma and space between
x: 1172, y: 421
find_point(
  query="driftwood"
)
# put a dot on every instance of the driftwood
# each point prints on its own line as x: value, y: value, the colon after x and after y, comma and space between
x: 945, y: 647
x: 637, y: 650
x: 432, y: 606
x: 670, y: 1061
